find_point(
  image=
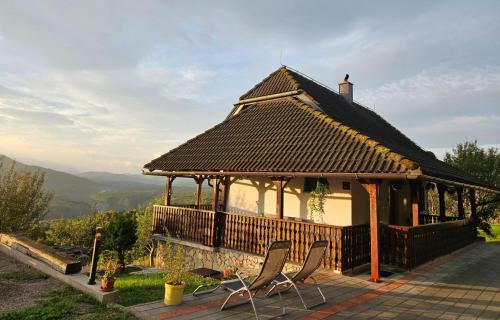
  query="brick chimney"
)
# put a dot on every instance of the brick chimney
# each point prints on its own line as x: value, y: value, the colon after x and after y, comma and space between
x: 345, y: 89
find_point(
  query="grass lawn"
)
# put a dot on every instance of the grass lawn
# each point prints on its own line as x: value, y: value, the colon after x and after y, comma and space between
x: 21, y: 276
x: 495, y: 239
x: 67, y: 304
x: 135, y: 289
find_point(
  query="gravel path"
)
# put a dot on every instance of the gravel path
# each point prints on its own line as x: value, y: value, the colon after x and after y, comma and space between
x: 20, y: 294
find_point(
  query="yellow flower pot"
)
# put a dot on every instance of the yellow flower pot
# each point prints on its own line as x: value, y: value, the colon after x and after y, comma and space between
x: 174, y: 294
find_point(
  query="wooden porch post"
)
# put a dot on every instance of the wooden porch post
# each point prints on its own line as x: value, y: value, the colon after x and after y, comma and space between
x: 473, y: 209
x: 215, y: 193
x: 442, y: 206
x: 415, y: 200
x: 461, y: 212
x: 168, y: 190
x: 372, y: 189
x: 224, y: 192
x: 280, y: 184
x: 473, y: 205
x: 199, y: 182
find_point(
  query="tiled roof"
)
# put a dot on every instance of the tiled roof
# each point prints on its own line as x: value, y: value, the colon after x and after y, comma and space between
x: 281, y: 135
x: 288, y: 135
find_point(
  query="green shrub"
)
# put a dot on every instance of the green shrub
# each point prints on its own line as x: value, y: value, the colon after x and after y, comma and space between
x: 120, y: 234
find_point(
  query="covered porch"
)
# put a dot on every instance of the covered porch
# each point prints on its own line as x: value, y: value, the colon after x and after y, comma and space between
x: 425, y: 238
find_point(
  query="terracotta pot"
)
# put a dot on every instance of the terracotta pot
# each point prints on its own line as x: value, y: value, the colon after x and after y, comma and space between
x: 107, y: 285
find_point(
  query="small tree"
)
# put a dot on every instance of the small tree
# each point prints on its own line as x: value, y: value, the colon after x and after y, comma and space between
x: 23, y: 202
x: 174, y: 263
x: 485, y: 165
x: 144, y: 243
x: 121, y: 234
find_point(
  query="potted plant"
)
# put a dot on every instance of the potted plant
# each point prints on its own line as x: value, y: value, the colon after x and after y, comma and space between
x: 230, y: 273
x: 174, y: 264
x: 109, y: 276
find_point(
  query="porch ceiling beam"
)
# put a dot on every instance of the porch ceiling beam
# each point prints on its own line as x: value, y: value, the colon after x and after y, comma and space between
x: 389, y: 176
x: 458, y: 184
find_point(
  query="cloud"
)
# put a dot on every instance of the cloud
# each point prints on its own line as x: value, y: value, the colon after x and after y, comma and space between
x: 122, y: 82
x: 36, y: 117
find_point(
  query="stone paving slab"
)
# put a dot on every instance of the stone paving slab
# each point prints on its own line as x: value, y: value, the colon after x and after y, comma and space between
x: 463, y: 285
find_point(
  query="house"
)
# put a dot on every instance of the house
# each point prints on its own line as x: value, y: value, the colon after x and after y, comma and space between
x: 290, y: 138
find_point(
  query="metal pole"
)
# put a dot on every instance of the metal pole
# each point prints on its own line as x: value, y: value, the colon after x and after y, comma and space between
x: 95, y: 254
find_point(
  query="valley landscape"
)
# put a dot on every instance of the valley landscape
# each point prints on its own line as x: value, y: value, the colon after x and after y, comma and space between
x: 79, y: 194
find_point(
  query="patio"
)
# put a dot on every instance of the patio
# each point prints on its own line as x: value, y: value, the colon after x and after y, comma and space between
x: 462, y: 285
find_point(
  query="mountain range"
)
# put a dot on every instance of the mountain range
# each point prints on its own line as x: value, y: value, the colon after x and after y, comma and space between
x: 81, y: 193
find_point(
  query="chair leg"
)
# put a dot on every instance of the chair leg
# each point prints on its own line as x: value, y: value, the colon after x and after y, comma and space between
x: 320, y: 292
x: 253, y: 306
x: 300, y: 296
x: 276, y: 286
x: 240, y: 291
x: 283, y: 307
x: 197, y: 291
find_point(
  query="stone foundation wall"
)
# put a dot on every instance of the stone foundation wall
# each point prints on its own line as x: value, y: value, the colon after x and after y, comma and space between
x: 198, y: 256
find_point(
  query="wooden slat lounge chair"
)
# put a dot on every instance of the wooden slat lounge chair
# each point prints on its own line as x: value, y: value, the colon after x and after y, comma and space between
x: 273, y: 265
x: 313, y: 261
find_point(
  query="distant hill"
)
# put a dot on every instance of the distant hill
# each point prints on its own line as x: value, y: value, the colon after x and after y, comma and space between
x: 78, y: 195
x: 134, y: 179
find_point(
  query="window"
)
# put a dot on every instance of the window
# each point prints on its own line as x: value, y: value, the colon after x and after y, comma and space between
x: 346, y: 185
x: 310, y: 183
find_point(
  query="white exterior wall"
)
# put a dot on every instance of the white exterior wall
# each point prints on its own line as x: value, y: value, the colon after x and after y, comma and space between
x: 257, y: 196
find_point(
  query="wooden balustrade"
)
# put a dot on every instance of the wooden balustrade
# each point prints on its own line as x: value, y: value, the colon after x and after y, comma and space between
x: 411, y: 246
x: 193, y: 206
x: 194, y: 225
x: 433, y: 218
x: 253, y: 234
x: 348, y: 246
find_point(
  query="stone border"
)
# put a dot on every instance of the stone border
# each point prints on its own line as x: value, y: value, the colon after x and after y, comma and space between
x: 77, y: 281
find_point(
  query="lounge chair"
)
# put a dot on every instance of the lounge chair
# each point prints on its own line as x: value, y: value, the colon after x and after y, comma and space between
x: 273, y: 265
x: 313, y: 261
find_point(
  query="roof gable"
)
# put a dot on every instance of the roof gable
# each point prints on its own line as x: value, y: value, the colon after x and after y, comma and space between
x: 267, y: 132
x: 282, y: 135
x: 358, y: 118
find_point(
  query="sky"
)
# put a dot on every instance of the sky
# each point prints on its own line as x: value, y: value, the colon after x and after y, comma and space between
x: 109, y: 85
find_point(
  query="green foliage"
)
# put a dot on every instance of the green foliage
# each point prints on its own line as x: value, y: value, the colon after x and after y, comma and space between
x: 317, y: 199
x: 485, y: 165
x: 494, y: 236
x: 174, y: 263
x: 22, y: 200
x: 21, y: 276
x: 144, y: 243
x: 76, y: 232
x: 66, y: 304
x: 120, y: 234
x: 135, y: 288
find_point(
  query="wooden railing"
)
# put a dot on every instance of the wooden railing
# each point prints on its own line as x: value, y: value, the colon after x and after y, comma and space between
x: 193, y: 206
x: 194, y: 225
x: 348, y: 246
x: 253, y: 234
x: 432, y: 218
x: 411, y: 246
